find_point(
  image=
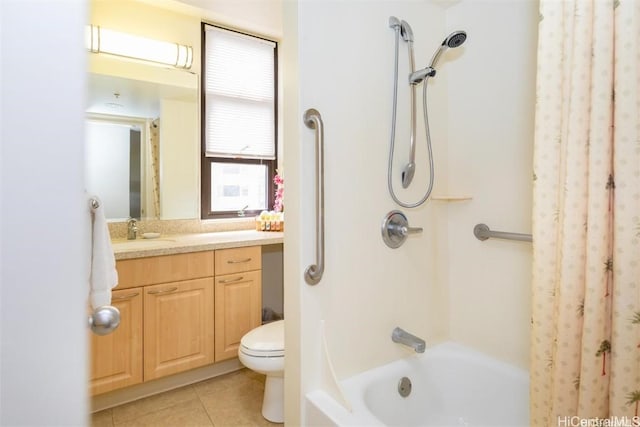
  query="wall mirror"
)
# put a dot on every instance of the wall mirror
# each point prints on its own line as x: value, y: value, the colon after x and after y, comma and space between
x: 127, y: 123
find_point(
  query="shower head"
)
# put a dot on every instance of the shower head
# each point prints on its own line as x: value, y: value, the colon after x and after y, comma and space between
x: 454, y: 39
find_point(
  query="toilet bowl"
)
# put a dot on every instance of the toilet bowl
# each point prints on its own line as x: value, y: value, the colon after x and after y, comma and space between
x: 262, y: 351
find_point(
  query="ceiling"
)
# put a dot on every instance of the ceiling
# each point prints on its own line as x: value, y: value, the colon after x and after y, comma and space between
x: 132, y: 98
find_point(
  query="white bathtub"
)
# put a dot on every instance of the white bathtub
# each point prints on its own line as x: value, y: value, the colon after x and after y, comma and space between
x: 452, y: 385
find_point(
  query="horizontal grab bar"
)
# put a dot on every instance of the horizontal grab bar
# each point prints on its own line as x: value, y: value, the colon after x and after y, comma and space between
x: 483, y: 232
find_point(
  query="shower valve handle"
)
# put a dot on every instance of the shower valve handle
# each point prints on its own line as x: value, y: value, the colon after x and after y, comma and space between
x: 395, y: 229
x: 410, y: 230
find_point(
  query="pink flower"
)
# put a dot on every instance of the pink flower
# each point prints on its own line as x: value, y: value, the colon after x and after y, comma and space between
x: 279, y: 183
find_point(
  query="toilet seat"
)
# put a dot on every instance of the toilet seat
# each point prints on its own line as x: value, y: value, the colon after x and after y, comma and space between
x: 258, y: 353
x: 264, y: 341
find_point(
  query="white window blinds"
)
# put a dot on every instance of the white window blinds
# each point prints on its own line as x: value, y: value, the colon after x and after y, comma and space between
x: 239, y: 89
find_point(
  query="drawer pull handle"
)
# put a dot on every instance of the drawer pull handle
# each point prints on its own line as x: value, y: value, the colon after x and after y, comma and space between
x: 129, y: 296
x: 237, y: 279
x: 163, y: 291
x: 231, y: 261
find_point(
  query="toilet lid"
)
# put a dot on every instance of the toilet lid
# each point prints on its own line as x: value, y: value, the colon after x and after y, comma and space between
x: 265, y: 341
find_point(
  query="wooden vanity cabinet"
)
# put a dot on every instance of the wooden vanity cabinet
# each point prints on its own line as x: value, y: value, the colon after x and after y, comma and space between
x: 116, y: 359
x: 177, y: 315
x: 238, y: 298
x: 178, y: 327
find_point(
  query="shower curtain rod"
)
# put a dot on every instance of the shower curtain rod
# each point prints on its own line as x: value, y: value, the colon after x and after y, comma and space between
x: 483, y: 232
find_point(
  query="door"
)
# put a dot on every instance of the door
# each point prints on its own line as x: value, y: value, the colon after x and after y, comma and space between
x: 43, y: 214
x: 116, y: 358
x: 238, y: 310
x: 178, y: 327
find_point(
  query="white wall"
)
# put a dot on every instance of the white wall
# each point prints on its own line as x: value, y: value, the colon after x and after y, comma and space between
x: 491, y: 108
x: 179, y: 160
x: 259, y: 16
x: 44, y: 214
x: 344, y: 65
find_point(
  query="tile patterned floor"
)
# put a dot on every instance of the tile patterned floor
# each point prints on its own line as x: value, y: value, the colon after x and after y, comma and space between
x: 234, y: 399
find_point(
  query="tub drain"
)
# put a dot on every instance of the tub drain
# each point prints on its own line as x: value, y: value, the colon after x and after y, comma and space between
x: 404, y: 386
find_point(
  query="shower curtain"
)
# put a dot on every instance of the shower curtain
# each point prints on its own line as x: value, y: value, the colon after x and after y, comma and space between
x: 585, y: 325
x: 154, y: 145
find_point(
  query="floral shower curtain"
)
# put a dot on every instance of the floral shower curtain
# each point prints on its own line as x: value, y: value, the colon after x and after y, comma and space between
x: 585, y: 340
x: 154, y: 145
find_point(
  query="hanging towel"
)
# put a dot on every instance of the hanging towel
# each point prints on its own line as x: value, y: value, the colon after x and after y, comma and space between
x: 102, y: 275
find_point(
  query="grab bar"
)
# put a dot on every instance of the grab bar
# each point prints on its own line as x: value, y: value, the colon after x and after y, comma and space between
x: 483, y: 232
x: 313, y: 120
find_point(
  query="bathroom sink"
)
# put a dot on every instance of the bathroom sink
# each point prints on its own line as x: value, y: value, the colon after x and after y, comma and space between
x: 140, y: 244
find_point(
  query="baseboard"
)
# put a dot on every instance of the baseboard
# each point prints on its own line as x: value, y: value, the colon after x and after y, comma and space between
x: 139, y: 391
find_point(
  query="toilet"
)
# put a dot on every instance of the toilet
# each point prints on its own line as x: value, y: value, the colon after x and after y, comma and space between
x: 262, y: 351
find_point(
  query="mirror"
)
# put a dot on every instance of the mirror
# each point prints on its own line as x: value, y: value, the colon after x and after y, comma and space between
x: 135, y: 130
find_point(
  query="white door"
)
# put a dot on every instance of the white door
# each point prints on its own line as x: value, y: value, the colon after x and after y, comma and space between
x: 43, y: 214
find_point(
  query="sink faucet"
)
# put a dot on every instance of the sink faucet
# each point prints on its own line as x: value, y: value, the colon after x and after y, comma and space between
x: 241, y: 211
x: 132, y: 229
x: 403, y: 337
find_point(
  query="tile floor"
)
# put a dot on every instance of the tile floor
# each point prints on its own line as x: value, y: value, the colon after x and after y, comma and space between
x: 234, y: 399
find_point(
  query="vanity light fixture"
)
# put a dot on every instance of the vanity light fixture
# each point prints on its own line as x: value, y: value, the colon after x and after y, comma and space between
x: 103, y: 40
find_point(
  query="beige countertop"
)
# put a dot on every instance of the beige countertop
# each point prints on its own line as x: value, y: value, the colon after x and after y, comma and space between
x: 182, y: 243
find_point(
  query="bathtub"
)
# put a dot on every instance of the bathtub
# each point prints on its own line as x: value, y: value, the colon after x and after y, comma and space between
x: 451, y: 385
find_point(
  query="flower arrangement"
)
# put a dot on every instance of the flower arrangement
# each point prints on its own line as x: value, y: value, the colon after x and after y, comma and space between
x: 278, y: 205
x: 274, y: 220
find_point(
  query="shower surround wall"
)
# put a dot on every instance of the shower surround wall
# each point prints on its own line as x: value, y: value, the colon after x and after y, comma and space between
x: 490, y: 139
x: 337, y: 57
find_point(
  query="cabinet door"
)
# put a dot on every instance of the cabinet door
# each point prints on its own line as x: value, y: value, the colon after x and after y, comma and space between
x: 238, y: 310
x: 116, y: 359
x: 178, y: 332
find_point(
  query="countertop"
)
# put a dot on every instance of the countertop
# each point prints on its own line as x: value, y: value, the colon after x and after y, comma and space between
x: 183, y: 243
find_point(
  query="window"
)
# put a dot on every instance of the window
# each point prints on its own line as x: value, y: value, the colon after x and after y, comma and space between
x: 239, y: 123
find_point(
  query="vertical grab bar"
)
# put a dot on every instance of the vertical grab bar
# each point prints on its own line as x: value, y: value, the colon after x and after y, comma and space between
x: 313, y: 120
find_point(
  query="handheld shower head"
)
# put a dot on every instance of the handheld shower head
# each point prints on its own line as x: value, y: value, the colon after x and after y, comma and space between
x: 454, y: 40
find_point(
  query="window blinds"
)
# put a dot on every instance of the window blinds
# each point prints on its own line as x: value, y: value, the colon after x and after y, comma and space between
x: 239, y: 90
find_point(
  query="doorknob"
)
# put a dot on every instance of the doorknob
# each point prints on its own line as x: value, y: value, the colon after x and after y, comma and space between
x: 104, y: 320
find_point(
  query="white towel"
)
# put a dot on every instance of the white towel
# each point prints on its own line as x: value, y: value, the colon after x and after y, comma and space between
x: 103, y: 275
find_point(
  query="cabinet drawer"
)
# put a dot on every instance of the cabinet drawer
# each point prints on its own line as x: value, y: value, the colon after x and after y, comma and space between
x: 229, y: 261
x: 164, y: 269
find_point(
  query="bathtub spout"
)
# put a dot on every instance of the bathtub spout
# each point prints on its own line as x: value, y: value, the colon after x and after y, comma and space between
x: 403, y: 337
